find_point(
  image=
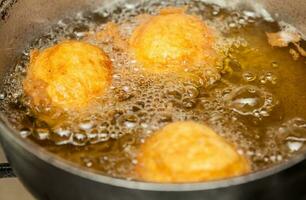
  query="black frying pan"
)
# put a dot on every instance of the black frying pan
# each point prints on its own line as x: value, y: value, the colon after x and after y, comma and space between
x: 48, y: 177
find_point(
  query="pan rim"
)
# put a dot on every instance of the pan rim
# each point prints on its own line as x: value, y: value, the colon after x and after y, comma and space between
x: 68, y: 167
x: 42, y: 154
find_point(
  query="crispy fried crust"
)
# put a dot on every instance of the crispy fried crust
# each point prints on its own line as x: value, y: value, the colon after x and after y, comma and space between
x: 172, y: 41
x: 68, y: 75
x: 188, y: 152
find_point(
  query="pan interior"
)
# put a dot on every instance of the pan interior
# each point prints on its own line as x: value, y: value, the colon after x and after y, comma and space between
x: 269, y: 130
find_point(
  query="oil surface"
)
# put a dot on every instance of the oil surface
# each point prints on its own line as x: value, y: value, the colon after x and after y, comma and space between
x: 258, y: 104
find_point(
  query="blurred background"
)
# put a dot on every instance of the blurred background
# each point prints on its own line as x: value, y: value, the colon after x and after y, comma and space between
x: 11, y: 188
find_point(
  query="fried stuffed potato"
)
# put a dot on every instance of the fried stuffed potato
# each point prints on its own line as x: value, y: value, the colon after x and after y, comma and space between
x: 172, y: 42
x: 188, y: 152
x: 68, y: 75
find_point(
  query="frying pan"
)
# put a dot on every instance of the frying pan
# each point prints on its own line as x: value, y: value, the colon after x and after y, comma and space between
x: 51, y: 178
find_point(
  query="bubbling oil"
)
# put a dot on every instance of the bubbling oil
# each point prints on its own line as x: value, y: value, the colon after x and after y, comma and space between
x: 258, y: 104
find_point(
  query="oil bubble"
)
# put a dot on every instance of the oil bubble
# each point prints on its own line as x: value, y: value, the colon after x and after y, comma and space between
x: 42, y: 133
x: 251, y: 100
x: 79, y: 139
x: 25, y: 132
x: 2, y: 96
x: 249, y: 76
x: 294, y: 144
x: 293, y: 134
x: 268, y: 77
x: 61, y: 136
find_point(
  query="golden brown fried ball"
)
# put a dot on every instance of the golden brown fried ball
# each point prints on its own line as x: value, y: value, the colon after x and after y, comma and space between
x: 172, y: 41
x: 67, y: 75
x: 188, y: 152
